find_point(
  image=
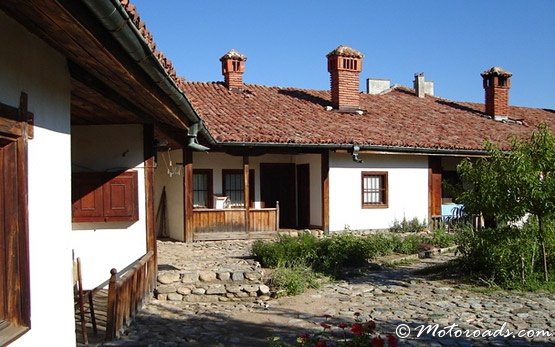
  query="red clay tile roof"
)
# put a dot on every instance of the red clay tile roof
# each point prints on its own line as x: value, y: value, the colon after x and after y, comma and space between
x: 145, y: 33
x: 396, y: 118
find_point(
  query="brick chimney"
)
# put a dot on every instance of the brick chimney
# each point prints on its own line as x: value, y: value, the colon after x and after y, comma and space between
x: 497, y: 83
x: 233, y: 66
x: 344, y: 66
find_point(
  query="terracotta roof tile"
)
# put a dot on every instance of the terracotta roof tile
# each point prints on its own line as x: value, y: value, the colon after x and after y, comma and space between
x: 397, y: 118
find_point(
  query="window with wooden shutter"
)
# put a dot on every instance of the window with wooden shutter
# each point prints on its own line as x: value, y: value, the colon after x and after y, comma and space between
x: 105, y: 197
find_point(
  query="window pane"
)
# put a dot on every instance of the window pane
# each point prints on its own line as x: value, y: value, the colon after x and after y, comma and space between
x: 233, y: 183
x: 200, y: 190
x: 373, y: 189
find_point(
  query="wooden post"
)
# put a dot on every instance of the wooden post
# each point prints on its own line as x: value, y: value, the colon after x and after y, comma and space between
x: 277, y: 216
x: 148, y: 150
x: 112, y: 307
x: 325, y: 163
x: 246, y: 190
x: 188, y: 195
x: 434, y: 186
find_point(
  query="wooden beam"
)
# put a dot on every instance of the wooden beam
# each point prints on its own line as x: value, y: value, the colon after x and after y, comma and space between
x: 187, y: 195
x: 434, y: 187
x: 246, y: 190
x: 148, y: 149
x: 325, y: 163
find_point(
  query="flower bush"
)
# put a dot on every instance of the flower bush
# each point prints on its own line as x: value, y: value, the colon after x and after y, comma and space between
x: 358, y: 333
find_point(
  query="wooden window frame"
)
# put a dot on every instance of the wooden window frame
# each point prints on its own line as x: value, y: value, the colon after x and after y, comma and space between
x: 210, y: 182
x: 16, y: 129
x: 384, y: 190
x: 251, y: 183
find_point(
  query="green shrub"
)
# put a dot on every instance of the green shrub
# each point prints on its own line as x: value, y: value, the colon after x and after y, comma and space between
x: 340, y: 251
x: 442, y: 239
x: 294, y: 280
x: 501, y: 255
x: 411, y: 244
x: 380, y: 245
x: 288, y: 251
x: 408, y: 226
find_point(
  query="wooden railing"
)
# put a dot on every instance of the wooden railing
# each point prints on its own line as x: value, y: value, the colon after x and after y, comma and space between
x: 232, y: 223
x: 127, y: 292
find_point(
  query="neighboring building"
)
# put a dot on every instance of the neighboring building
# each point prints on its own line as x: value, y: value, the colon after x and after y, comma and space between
x: 84, y: 97
x: 337, y: 159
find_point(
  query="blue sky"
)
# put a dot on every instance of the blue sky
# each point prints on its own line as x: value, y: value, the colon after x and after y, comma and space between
x: 286, y: 41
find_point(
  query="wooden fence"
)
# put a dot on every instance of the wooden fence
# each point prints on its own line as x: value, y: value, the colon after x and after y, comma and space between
x: 127, y: 292
x: 234, y: 223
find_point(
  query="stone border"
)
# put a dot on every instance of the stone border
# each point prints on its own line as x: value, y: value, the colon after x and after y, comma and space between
x: 210, y: 286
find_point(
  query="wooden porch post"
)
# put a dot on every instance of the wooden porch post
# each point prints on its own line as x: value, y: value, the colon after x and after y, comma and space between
x: 246, y: 191
x: 148, y: 150
x: 325, y: 163
x: 188, y: 194
x: 434, y: 187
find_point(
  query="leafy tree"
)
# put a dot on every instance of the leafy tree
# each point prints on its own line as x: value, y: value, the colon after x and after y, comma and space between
x: 507, y: 186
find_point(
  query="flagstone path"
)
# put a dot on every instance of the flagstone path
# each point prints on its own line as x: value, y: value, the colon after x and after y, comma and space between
x: 389, y: 296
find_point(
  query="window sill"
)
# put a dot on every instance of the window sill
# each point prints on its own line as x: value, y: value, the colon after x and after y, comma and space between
x: 9, y: 333
x: 375, y: 206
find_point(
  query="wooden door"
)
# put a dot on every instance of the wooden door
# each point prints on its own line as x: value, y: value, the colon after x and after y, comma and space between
x: 277, y: 183
x: 303, y: 195
x: 434, y: 185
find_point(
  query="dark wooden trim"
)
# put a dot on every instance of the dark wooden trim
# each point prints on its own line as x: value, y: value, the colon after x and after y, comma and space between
x: 187, y: 195
x: 246, y: 191
x: 210, y: 181
x: 149, y: 155
x: 15, y: 259
x: 325, y: 163
x: 385, y: 189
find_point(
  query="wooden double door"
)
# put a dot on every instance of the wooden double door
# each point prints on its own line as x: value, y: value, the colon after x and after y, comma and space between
x: 290, y: 185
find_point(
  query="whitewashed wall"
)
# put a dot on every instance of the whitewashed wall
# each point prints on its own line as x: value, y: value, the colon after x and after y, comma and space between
x: 174, y: 192
x: 103, y: 246
x: 408, y: 190
x: 28, y: 64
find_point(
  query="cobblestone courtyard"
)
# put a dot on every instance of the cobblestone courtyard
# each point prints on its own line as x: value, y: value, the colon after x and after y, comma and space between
x: 390, y: 296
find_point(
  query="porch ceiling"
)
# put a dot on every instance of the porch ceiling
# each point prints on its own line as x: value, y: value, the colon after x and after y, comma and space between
x: 107, y: 86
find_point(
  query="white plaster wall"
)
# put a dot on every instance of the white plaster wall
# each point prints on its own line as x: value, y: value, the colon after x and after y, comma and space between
x: 408, y: 190
x: 28, y: 64
x: 103, y: 246
x: 174, y: 192
x: 314, y: 160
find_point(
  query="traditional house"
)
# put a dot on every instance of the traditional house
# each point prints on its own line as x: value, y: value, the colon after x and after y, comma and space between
x: 334, y: 159
x: 84, y: 99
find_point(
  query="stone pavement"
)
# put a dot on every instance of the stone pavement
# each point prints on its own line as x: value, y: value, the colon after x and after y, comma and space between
x: 390, y: 296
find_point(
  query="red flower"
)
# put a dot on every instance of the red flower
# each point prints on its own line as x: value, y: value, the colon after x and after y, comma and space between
x: 321, y: 343
x: 392, y: 341
x: 325, y: 326
x: 377, y: 342
x: 356, y: 328
x: 343, y: 325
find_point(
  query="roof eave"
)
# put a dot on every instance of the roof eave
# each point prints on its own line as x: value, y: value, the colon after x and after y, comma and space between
x: 362, y: 148
x: 115, y: 20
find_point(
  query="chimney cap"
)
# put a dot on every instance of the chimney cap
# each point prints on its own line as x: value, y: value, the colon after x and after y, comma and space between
x: 496, y: 71
x: 346, y: 51
x: 234, y: 55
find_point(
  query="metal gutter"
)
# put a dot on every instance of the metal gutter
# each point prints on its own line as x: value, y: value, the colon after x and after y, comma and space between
x: 363, y: 148
x: 115, y: 19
